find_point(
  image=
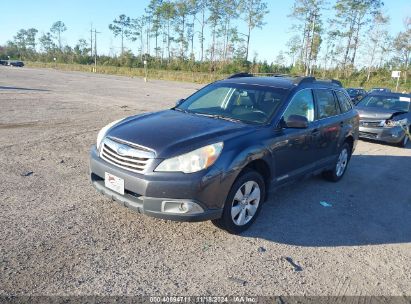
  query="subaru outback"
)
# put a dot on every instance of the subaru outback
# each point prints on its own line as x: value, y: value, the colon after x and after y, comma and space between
x: 216, y: 154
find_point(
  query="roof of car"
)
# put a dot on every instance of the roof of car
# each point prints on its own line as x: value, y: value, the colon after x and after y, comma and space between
x: 279, y: 81
x: 389, y: 94
x: 380, y: 90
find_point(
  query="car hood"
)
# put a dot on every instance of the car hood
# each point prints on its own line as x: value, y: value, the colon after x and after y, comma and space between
x: 376, y: 113
x: 171, y: 133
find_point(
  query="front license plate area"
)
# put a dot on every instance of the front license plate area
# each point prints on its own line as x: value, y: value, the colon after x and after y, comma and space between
x: 114, y: 183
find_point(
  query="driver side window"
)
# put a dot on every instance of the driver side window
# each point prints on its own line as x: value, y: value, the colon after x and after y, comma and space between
x: 302, y: 104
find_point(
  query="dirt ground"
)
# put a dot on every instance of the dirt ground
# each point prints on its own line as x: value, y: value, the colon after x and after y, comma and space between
x: 59, y: 237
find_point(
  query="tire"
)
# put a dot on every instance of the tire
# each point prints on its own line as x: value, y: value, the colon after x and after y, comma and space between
x: 340, y: 166
x: 243, y: 203
x: 404, y: 142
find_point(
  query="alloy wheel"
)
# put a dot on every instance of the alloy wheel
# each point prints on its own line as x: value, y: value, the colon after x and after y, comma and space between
x: 245, y: 203
x: 342, y: 162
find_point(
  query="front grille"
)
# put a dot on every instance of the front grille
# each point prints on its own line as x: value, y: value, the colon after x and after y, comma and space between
x: 368, y: 135
x: 372, y: 124
x: 126, y: 156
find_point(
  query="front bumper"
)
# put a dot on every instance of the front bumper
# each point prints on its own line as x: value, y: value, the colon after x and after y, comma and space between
x: 146, y: 193
x: 392, y: 135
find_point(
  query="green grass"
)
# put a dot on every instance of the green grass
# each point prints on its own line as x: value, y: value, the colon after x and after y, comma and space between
x: 184, y: 76
x: 382, y: 79
x: 378, y: 82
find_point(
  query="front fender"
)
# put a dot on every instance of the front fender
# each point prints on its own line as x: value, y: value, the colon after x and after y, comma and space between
x: 235, y: 162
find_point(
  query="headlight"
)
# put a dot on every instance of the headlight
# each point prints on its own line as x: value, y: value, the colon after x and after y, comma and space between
x: 193, y: 161
x: 103, y: 131
x: 396, y: 123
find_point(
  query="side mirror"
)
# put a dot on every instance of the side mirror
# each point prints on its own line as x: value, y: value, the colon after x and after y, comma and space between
x: 179, y: 102
x: 296, y: 122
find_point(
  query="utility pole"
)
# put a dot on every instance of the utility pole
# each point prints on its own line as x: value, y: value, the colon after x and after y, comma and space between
x: 95, y: 50
x: 91, y: 40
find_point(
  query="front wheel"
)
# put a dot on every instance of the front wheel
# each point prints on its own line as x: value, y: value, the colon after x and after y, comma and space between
x: 404, y: 142
x: 340, y: 166
x: 243, y: 203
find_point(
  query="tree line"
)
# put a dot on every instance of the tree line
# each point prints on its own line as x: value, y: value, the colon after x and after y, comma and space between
x: 173, y: 27
x: 355, y: 35
x: 205, y: 35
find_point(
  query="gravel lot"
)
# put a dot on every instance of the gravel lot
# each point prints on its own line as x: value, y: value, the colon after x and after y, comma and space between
x: 59, y: 237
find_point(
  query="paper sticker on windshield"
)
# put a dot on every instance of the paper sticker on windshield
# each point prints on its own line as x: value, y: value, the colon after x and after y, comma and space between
x: 405, y: 99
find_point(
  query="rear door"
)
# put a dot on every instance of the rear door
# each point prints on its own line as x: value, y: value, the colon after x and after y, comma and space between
x: 328, y: 125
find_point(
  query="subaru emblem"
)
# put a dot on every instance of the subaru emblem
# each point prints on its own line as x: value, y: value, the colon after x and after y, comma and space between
x: 122, y: 150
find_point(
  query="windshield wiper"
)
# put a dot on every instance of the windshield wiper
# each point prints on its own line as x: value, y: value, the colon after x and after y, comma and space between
x: 216, y: 116
x: 228, y: 118
x: 203, y: 114
x: 179, y: 110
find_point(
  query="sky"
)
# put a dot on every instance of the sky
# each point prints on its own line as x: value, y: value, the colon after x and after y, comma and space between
x: 78, y: 15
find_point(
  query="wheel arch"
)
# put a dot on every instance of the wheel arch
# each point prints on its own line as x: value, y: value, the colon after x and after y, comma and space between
x: 262, y: 167
x: 255, y: 158
x: 350, y: 140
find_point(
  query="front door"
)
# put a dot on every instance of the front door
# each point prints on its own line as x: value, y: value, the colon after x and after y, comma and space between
x: 293, y: 148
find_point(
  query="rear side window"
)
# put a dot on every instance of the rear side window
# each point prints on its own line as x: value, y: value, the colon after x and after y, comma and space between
x: 326, y: 104
x: 301, y: 104
x: 344, y: 101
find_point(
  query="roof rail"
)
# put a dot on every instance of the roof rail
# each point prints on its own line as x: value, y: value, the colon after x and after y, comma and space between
x: 271, y: 74
x: 310, y: 79
x: 238, y: 75
x: 297, y: 80
x: 246, y: 74
x: 303, y: 79
x: 332, y: 81
x: 337, y: 82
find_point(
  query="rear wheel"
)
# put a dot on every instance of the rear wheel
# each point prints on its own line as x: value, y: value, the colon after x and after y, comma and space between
x: 341, y: 164
x: 243, y: 203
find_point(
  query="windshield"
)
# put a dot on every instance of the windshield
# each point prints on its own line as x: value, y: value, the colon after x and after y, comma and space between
x: 352, y: 91
x: 395, y: 103
x: 246, y: 103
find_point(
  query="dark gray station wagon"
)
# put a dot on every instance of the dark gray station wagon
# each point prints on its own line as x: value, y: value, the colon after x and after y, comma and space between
x: 217, y: 154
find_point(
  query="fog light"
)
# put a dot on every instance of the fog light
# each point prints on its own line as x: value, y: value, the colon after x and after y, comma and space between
x: 181, y: 207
